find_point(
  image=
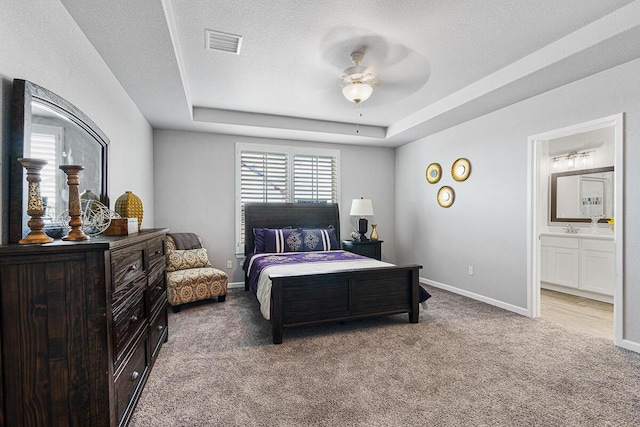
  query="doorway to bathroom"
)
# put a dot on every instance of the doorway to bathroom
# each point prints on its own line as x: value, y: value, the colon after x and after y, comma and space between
x: 575, y: 263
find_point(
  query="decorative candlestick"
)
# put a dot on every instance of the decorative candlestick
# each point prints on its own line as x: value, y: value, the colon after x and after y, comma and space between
x: 34, y: 204
x: 75, y: 212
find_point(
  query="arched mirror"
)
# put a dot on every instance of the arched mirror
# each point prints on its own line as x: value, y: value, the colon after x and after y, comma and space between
x: 46, y: 126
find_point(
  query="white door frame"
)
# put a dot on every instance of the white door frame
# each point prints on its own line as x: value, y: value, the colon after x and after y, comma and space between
x: 535, y: 145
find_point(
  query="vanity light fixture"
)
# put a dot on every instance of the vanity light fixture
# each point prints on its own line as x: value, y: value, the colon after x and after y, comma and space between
x: 572, y: 160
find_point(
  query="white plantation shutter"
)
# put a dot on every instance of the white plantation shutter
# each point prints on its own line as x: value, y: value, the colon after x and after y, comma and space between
x: 45, y: 144
x: 264, y: 177
x: 269, y: 173
x: 314, y: 178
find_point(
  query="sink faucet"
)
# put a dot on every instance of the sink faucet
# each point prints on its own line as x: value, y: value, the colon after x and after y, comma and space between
x: 570, y: 229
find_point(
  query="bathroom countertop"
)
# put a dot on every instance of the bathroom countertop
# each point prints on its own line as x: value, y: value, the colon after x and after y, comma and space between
x: 580, y: 234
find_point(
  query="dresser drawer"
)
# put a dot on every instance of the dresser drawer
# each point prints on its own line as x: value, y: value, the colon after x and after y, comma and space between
x: 128, y: 321
x: 155, y: 248
x: 156, y: 274
x: 158, y: 332
x: 126, y: 291
x: 156, y: 291
x: 127, y: 265
x: 130, y: 378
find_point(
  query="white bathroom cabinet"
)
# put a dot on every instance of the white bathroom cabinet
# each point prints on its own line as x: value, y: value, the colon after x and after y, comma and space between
x: 582, y: 265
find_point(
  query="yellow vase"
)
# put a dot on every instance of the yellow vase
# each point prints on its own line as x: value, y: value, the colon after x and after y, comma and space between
x: 374, y: 232
x: 130, y: 206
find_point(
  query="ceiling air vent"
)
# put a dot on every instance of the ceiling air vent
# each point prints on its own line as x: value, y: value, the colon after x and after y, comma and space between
x: 224, y: 42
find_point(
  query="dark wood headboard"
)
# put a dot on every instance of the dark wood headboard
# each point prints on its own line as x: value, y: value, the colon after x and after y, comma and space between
x: 295, y: 215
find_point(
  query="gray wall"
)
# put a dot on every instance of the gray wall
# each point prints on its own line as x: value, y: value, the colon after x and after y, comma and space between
x: 487, y: 225
x: 195, y: 173
x: 41, y: 43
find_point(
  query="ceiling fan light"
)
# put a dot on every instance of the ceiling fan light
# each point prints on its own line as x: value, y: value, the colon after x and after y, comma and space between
x: 357, y: 91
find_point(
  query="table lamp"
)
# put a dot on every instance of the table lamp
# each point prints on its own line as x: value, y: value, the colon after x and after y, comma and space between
x: 362, y: 207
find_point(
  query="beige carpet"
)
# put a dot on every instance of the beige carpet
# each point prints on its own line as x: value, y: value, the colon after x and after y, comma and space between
x: 465, y: 364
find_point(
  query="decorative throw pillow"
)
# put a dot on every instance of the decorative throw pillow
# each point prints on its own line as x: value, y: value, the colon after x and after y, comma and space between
x: 258, y: 240
x: 319, y: 239
x: 279, y: 240
x: 183, y: 259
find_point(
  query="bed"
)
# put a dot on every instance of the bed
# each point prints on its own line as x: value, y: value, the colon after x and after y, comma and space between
x: 312, y: 297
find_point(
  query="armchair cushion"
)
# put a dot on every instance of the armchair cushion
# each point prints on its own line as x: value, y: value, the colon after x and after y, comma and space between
x: 183, y: 259
x: 195, y: 284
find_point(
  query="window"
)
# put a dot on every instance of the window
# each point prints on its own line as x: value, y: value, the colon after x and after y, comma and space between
x: 314, y: 178
x: 280, y: 174
x: 46, y: 144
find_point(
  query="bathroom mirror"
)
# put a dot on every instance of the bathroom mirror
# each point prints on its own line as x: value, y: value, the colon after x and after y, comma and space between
x: 46, y: 126
x: 577, y: 196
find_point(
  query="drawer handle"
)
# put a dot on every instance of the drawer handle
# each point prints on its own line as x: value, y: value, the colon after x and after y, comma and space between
x: 160, y: 327
x: 132, y: 267
x: 159, y: 288
x: 157, y: 252
x: 134, y: 375
x: 133, y: 319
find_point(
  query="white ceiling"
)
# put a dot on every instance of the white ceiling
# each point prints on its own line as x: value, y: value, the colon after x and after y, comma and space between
x: 439, y: 62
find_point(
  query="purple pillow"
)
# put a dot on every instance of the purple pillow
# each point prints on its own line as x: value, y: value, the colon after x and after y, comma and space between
x: 319, y: 239
x: 279, y: 240
x: 258, y: 240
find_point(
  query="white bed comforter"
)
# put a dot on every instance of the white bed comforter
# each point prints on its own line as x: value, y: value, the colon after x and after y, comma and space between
x: 264, y: 282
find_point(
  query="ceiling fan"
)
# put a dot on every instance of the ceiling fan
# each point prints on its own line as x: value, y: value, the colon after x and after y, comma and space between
x: 358, y: 80
x: 392, y: 70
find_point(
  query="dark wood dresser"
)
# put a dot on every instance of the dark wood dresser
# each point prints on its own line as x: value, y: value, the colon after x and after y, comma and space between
x: 82, y: 325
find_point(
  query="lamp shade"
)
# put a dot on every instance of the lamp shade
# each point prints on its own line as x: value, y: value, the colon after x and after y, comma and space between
x: 361, y: 207
x: 357, y: 91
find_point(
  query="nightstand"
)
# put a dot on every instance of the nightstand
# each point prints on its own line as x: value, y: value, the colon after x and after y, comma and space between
x: 369, y: 248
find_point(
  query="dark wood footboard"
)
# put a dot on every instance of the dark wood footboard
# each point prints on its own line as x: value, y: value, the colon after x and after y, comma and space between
x: 306, y: 299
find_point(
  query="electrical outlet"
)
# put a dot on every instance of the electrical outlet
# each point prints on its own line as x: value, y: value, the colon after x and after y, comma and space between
x: 470, y: 270
x: 229, y: 264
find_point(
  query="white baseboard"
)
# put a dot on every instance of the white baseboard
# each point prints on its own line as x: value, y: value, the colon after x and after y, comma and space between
x: 630, y: 345
x: 235, y: 285
x: 577, y: 292
x: 490, y: 301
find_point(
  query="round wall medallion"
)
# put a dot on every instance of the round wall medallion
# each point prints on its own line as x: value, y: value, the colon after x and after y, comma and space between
x: 433, y: 173
x: 461, y: 169
x: 446, y: 196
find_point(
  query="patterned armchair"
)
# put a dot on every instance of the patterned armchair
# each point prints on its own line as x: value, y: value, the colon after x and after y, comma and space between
x: 190, y: 276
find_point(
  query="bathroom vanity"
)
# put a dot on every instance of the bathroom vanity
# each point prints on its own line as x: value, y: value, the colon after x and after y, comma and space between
x: 578, y: 264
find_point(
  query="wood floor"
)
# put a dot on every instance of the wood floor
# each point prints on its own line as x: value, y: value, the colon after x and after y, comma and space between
x: 582, y: 314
